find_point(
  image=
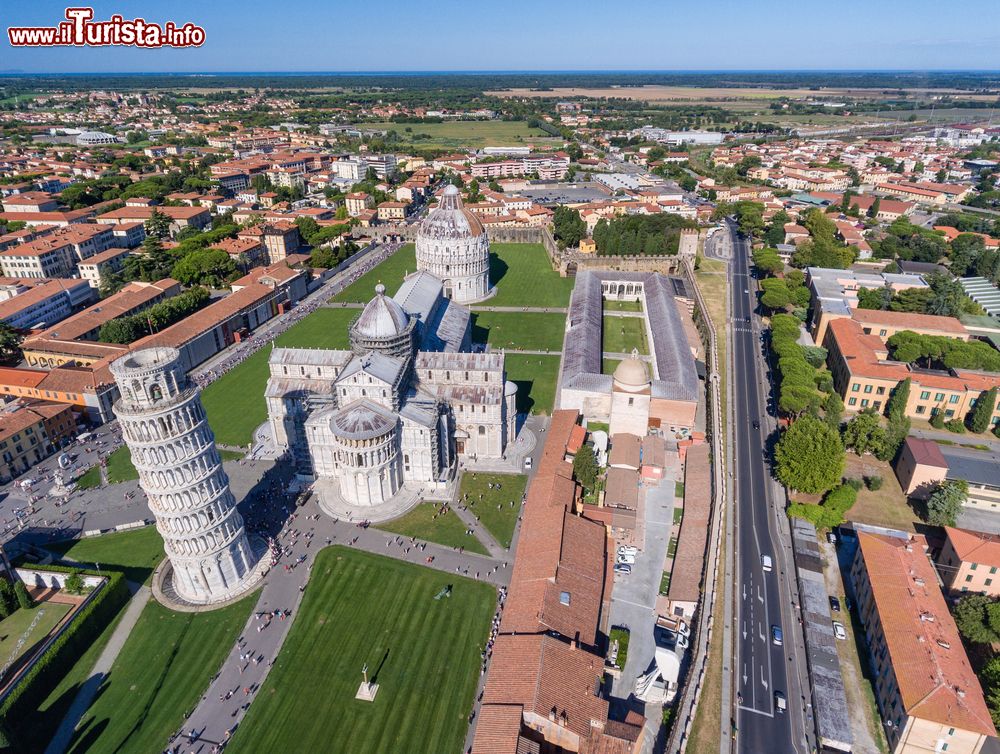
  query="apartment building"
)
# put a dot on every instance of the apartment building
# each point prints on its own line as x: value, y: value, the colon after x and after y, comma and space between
x: 42, y: 258
x: 30, y: 433
x: 927, y: 693
x: 180, y: 217
x: 26, y: 304
x: 358, y: 202
x: 279, y: 238
x: 392, y: 212
x: 97, y: 269
x: 970, y: 562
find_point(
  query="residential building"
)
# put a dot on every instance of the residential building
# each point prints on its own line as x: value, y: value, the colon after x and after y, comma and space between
x: 279, y: 238
x: 30, y: 433
x: 96, y: 269
x: 42, y: 258
x: 358, y: 202
x: 970, y: 562
x: 30, y: 201
x: 27, y: 304
x: 392, y: 212
x: 180, y: 217
x: 927, y: 693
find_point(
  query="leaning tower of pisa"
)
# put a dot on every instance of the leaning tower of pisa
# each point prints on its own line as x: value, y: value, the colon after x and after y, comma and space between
x: 173, y: 449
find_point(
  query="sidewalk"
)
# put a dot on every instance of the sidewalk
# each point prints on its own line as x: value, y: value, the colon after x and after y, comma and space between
x: 85, y: 696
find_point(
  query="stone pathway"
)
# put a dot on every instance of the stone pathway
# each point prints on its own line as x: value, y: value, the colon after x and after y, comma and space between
x: 85, y: 696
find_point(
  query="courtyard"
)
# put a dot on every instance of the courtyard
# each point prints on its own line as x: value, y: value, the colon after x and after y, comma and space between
x: 622, y: 334
x: 363, y: 609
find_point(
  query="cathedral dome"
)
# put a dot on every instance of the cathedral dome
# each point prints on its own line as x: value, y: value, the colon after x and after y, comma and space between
x: 382, y: 317
x: 450, y: 219
x: 631, y: 374
x: 362, y: 420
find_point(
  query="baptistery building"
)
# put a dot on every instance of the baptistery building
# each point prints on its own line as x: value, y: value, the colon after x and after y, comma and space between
x: 402, y: 406
x: 453, y: 246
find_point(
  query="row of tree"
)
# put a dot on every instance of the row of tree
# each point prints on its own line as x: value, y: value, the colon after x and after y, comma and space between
x: 134, y: 326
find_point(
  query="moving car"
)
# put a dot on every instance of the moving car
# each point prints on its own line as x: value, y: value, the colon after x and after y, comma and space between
x: 756, y: 424
x: 776, y: 636
x: 765, y: 562
x: 838, y: 630
x: 780, y: 703
x: 623, y: 568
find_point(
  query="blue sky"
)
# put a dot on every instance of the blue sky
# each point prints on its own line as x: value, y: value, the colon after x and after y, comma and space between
x: 313, y: 35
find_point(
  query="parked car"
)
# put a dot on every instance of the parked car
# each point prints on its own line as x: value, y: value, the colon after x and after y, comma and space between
x: 624, y: 557
x: 765, y: 562
x: 834, y: 604
x: 780, y: 703
x: 831, y: 538
x: 838, y: 630
x: 627, y: 550
x: 776, y: 636
x: 623, y: 568
x: 527, y: 462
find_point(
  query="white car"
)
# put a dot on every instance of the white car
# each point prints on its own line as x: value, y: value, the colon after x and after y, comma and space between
x: 838, y: 630
x: 628, y: 550
x: 527, y: 462
x: 626, y: 558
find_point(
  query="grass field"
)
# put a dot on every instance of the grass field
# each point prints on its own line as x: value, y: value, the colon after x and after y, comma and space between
x: 424, y: 654
x: 886, y: 506
x: 390, y: 273
x: 119, y: 467
x: 14, y: 625
x: 513, y: 330
x: 524, y: 276
x: 536, y: 378
x: 161, y: 673
x: 90, y: 479
x: 473, y: 133
x: 623, y: 306
x: 38, y: 730
x: 608, y: 366
x: 136, y: 552
x: 235, y: 402
x: 622, y: 334
x: 447, y: 529
x: 500, y: 522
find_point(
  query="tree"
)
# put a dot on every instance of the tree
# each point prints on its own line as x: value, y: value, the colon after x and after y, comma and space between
x: 945, y: 503
x: 775, y: 294
x: 585, y: 467
x: 874, y: 209
x: 211, y: 267
x: 10, y: 344
x: 767, y: 260
x: 23, y: 598
x: 158, y: 225
x: 977, y: 617
x: 8, y: 601
x: 810, y: 456
x: 982, y: 412
x: 833, y: 410
x: 74, y: 583
x: 569, y: 226
x: 874, y: 298
x: 864, y: 433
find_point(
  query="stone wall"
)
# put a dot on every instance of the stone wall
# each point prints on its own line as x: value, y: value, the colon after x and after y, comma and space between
x: 53, y: 579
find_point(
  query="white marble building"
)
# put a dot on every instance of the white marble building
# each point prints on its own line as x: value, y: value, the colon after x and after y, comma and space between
x: 173, y: 449
x: 401, y: 407
x: 453, y: 246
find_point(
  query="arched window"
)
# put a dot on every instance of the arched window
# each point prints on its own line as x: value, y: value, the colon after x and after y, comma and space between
x: 482, y: 430
x: 155, y: 392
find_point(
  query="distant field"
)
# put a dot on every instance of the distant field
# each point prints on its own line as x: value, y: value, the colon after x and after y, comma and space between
x: 695, y: 94
x: 468, y: 133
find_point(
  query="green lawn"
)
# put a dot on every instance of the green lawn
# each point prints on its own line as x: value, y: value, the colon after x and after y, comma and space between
x: 679, y: 490
x: 390, y: 273
x: 622, y: 334
x: 135, y: 552
x: 500, y: 522
x: 513, y: 330
x: 119, y: 466
x: 447, y: 529
x: 235, y: 402
x: 166, y: 664
x: 12, y: 627
x: 535, y: 377
x: 523, y: 275
x: 623, y: 306
x: 471, y: 133
x: 90, y: 479
x: 424, y: 653
x: 608, y: 366
x: 38, y: 730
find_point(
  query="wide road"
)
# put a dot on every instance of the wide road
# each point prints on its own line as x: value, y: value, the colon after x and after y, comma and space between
x: 762, y: 667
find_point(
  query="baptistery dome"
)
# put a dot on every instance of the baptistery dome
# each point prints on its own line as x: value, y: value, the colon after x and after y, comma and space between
x: 452, y: 245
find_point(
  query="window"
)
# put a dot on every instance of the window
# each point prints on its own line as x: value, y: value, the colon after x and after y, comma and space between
x: 864, y: 403
x: 868, y: 388
x: 969, y: 577
x: 920, y: 409
x: 852, y: 401
x: 855, y: 387
x: 953, y: 399
x: 939, y: 396
x: 988, y: 582
x: 564, y: 598
x: 880, y: 391
x: 974, y: 566
x: 877, y: 405
x: 482, y: 430
x: 993, y: 570
x: 949, y: 413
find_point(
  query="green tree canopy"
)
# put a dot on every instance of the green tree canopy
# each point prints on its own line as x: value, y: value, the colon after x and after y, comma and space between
x: 945, y: 503
x: 809, y: 456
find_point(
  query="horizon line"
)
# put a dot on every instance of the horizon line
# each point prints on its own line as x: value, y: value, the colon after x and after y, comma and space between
x: 486, y: 72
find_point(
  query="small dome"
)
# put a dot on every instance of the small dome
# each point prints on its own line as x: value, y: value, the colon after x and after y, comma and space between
x: 631, y: 373
x: 450, y: 190
x: 362, y: 421
x: 382, y: 317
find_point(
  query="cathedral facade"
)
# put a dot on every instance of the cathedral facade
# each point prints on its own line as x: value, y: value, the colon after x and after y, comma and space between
x: 403, y: 405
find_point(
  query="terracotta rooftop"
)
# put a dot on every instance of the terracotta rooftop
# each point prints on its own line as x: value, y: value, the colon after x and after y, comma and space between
x: 935, y: 680
x: 974, y: 546
x: 926, y: 452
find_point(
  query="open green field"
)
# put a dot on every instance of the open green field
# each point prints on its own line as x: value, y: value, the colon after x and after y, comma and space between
x: 517, y: 330
x: 523, y: 275
x: 390, y: 273
x: 536, y: 378
x: 468, y: 133
x: 38, y: 730
x: 424, y: 522
x: 161, y: 673
x: 135, y: 552
x: 119, y: 467
x: 608, y: 366
x: 623, y: 306
x: 424, y: 653
x: 622, y: 334
x: 90, y: 479
x: 14, y: 625
x: 500, y: 521
x: 235, y: 402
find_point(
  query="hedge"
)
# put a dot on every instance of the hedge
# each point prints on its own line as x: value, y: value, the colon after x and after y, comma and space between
x: 50, y: 668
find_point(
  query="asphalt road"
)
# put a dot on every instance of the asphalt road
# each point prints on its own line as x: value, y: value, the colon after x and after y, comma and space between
x: 762, y: 667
